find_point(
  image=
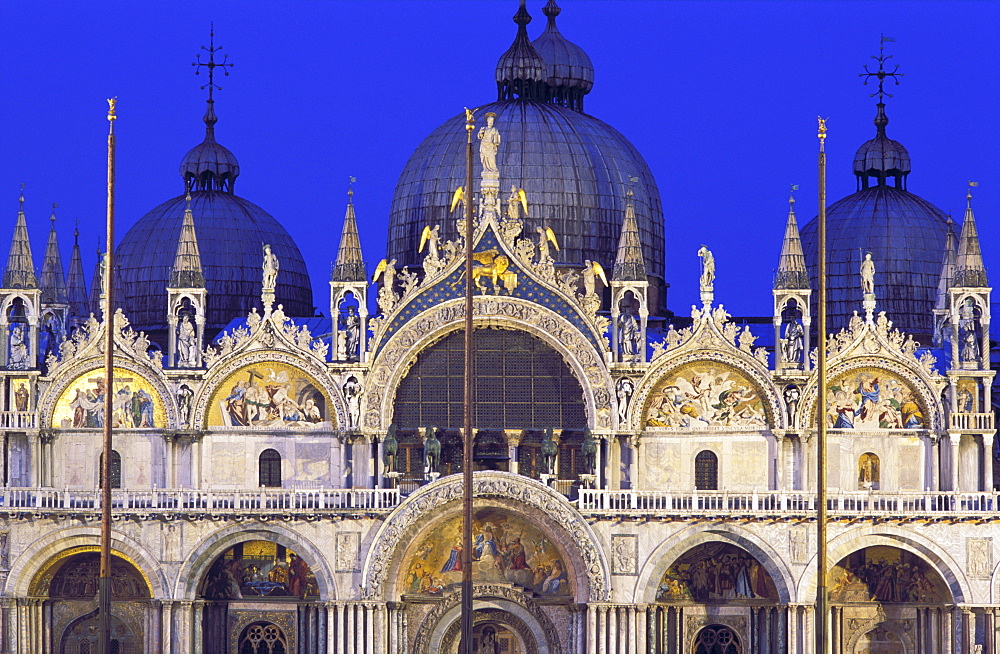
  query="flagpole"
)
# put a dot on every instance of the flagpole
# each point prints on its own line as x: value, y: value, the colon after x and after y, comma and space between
x: 466, y: 642
x: 822, y: 593
x: 104, y: 579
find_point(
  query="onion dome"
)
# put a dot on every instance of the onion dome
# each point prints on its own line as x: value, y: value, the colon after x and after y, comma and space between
x: 210, y: 166
x: 521, y: 70
x: 569, y: 73
x: 881, y: 157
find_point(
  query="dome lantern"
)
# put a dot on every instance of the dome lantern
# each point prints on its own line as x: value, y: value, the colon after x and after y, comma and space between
x: 568, y: 69
x: 520, y: 71
x: 881, y: 157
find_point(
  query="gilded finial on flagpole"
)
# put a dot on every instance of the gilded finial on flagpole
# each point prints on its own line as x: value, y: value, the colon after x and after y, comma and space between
x: 111, y: 108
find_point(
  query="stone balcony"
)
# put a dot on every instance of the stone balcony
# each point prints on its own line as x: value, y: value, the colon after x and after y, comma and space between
x: 16, y: 420
x: 971, y: 423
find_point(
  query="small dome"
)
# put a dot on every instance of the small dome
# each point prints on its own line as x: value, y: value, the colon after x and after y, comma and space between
x: 210, y: 166
x: 569, y: 72
x: 882, y: 157
x: 520, y: 71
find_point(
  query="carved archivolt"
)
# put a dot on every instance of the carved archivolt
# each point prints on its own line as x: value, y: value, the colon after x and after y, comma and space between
x: 387, y: 543
x: 400, y: 352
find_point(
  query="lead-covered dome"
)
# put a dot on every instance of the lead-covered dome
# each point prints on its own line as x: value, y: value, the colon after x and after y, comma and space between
x: 574, y: 168
x: 905, y: 234
x: 569, y: 71
x: 230, y: 232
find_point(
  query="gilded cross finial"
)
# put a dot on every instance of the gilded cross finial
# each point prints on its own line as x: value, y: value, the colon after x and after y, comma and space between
x: 882, y: 73
x: 112, y: 103
x: 211, y: 64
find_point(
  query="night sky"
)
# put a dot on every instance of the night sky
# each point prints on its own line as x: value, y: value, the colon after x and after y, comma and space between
x: 720, y: 98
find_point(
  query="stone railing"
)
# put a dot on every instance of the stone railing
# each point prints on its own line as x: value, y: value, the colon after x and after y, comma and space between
x: 18, y: 420
x: 971, y: 422
x: 276, y: 501
x: 785, y: 503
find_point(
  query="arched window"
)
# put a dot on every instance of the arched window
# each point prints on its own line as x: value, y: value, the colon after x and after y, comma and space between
x: 706, y: 471
x: 717, y: 639
x: 270, y: 468
x: 116, y: 470
x: 262, y: 638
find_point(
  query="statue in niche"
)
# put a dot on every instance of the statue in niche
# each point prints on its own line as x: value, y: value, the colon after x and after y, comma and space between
x: 792, y: 345
x: 549, y: 451
x: 489, y: 644
x: 184, y: 395
x: 187, y: 343
x: 352, y: 333
x: 624, y: 389
x: 868, y: 275
x: 352, y: 393
x: 968, y: 341
x: 21, y: 397
x: 489, y: 144
x: 792, y: 395
x: 432, y: 451
x: 707, y: 268
x: 628, y: 334
x: 589, y: 451
x: 270, y: 268
x: 390, y: 447
x: 18, y: 359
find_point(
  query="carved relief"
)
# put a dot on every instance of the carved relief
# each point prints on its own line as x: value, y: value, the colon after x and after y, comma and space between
x: 348, y: 545
x: 624, y: 554
x: 979, y: 557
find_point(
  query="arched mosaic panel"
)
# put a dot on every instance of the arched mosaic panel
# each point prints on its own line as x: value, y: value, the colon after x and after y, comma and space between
x: 705, y: 394
x: 873, y: 398
x: 269, y: 395
x: 716, y: 572
x: 506, y: 549
x: 259, y: 569
x: 886, y: 574
x: 73, y: 574
x: 136, y: 402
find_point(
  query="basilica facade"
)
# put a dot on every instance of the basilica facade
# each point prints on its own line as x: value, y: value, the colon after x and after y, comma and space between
x: 644, y: 481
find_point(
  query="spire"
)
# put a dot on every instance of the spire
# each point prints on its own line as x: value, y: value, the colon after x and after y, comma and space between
x: 969, y: 268
x: 947, y: 269
x: 521, y: 71
x: 792, y: 273
x: 53, y: 281
x: 186, y: 272
x: 76, y: 285
x: 630, y: 265
x: 20, y: 271
x: 97, y: 283
x: 350, y: 266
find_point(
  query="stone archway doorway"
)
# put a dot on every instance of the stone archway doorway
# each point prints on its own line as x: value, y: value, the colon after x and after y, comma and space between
x: 494, y: 631
x: 496, y: 638
x: 82, y: 637
x: 717, y: 639
x: 880, y: 641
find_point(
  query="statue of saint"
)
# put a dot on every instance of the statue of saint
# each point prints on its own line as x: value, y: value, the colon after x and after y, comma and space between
x: 489, y: 144
x: 352, y: 393
x: 868, y: 275
x: 792, y: 345
x: 352, y: 333
x: 628, y: 333
x: 707, y: 268
x: 187, y: 345
x: 270, y: 267
x: 624, y: 389
x: 184, y: 396
x: 18, y: 348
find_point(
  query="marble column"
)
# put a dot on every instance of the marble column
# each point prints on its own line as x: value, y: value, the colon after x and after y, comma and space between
x: 641, y: 645
x: 954, y: 440
x: 987, y: 478
x: 591, y: 629
x: 166, y: 626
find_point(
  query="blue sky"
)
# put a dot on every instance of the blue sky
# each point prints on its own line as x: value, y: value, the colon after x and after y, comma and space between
x: 721, y: 99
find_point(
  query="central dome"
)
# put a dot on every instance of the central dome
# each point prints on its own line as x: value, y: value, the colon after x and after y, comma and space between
x: 574, y: 168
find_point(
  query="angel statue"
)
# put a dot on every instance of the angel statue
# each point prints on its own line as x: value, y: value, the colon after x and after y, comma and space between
x: 591, y: 271
x: 458, y: 198
x: 387, y: 297
x: 517, y: 201
x: 430, y: 238
x: 270, y: 268
x: 546, y: 236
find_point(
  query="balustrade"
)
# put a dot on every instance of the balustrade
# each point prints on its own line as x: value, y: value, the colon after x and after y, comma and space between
x: 975, y: 422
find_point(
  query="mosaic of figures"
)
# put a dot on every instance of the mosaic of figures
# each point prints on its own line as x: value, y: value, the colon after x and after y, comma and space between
x: 716, y: 572
x: 886, y: 574
x: 73, y: 574
x: 136, y: 404
x: 506, y: 548
x: 706, y: 394
x: 270, y: 394
x: 259, y: 569
x: 872, y: 399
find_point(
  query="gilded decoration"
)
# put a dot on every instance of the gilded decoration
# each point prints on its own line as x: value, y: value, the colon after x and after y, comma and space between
x: 507, y: 548
x: 269, y: 395
x: 136, y: 403
x: 259, y: 569
x: 704, y: 395
x: 716, y: 572
x: 882, y: 573
x: 532, y: 494
x: 873, y: 398
x: 395, y: 358
x: 73, y: 574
